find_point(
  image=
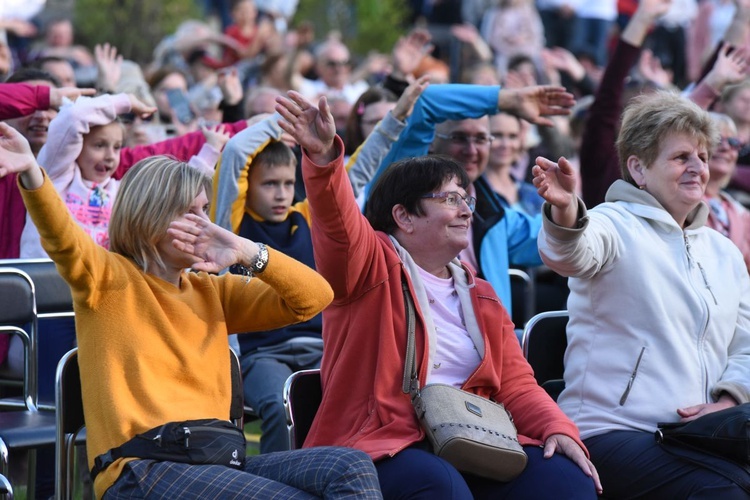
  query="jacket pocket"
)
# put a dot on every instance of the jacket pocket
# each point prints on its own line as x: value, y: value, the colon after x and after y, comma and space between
x: 633, y: 375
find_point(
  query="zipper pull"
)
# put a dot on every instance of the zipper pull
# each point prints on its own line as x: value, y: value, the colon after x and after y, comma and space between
x: 705, y: 281
x: 186, y: 430
x: 687, y: 248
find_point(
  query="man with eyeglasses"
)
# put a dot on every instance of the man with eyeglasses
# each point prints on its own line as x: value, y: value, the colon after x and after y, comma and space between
x: 333, y: 66
x: 452, y: 120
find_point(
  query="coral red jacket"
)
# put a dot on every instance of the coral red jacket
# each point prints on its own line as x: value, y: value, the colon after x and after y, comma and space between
x: 364, y: 334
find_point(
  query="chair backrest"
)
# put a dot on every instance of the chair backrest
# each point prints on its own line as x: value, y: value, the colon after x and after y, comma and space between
x: 544, y: 343
x: 302, y: 395
x: 18, y: 316
x: 70, y: 422
x: 237, y: 408
x: 523, y: 296
x: 53, y: 297
x: 6, y: 490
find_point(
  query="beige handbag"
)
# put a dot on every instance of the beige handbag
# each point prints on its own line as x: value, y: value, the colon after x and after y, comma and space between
x: 472, y: 433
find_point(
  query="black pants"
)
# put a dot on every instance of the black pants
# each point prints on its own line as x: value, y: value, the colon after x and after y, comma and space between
x: 632, y: 464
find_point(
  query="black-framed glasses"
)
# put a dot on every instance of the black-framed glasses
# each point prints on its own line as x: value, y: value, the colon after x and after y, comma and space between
x: 732, y: 143
x: 461, y: 139
x: 454, y: 199
x: 337, y: 64
x: 129, y: 117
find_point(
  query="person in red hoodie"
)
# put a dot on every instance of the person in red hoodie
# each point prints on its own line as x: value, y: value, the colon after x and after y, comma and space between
x: 417, y: 222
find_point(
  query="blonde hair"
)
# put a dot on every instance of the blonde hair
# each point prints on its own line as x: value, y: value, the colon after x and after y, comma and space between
x: 152, y: 194
x: 650, y: 118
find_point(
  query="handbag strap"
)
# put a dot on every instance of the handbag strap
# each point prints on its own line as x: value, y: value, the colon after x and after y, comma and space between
x: 410, y: 383
x: 734, y: 471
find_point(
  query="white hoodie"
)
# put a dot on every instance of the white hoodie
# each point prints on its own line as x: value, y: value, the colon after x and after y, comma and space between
x: 659, y: 316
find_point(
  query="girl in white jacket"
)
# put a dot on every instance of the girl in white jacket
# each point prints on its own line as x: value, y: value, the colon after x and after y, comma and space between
x: 83, y: 152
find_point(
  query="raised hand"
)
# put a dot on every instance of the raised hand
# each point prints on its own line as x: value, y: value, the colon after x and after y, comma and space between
x: 312, y: 127
x: 651, y: 69
x: 409, y: 51
x: 556, y: 183
x: 216, y: 136
x: 230, y: 85
x: 564, y: 61
x: 16, y: 157
x: 140, y: 108
x: 109, y: 67
x: 56, y: 96
x: 405, y: 103
x: 728, y: 69
x: 213, y: 247
x: 534, y: 104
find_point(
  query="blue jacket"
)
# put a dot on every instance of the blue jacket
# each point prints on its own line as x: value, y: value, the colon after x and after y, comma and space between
x: 503, y: 237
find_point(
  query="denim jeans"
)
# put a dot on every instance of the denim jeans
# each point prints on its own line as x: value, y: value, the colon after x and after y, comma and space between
x: 264, y: 372
x: 415, y: 473
x: 300, y: 474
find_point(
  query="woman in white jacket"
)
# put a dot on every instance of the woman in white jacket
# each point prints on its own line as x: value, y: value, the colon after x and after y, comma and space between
x: 659, y: 307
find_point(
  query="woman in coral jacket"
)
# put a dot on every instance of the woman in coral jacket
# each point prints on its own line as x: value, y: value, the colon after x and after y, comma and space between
x: 420, y: 215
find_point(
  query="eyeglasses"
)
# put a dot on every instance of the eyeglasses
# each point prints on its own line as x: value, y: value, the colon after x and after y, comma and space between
x: 465, y: 139
x: 336, y: 64
x: 128, y: 118
x: 732, y: 143
x: 454, y: 199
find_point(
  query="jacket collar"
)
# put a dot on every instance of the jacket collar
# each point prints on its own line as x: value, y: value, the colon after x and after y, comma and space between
x: 645, y: 205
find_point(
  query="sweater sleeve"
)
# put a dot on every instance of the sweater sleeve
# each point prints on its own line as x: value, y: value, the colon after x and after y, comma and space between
x: 80, y: 261
x: 206, y: 159
x: 346, y: 246
x: 231, y: 176
x: 21, y: 99
x: 437, y: 104
x: 66, y: 131
x: 580, y: 252
x: 182, y: 148
x: 366, y: 159
x: 287, y: 292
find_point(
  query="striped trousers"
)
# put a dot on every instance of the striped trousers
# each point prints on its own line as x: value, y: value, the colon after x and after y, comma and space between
x: 324, y: 472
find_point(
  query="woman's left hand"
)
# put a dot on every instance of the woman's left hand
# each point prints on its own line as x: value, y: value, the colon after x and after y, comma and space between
x: 693, y: 412
x: 565, y: 445
x: 212, y: 246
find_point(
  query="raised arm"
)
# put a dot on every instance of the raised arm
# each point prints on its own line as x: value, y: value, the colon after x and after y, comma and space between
x: 346, y: 246
x: 598, y: 155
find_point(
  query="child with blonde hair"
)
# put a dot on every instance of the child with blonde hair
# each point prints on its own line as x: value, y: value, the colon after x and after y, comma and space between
x: 83, y: 152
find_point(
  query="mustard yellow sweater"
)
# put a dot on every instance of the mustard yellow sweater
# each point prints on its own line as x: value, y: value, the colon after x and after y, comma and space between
x: 150, y: 352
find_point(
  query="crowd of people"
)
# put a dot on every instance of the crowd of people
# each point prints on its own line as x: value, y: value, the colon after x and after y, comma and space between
x: 254, y: 187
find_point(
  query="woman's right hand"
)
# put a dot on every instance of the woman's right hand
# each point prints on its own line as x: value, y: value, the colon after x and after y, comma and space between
x: 556, y: 183
x: 16, y: 157
x: 312, y: 127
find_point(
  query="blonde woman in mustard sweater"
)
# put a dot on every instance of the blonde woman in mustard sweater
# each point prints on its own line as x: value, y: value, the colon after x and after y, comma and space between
x: 152, y: 337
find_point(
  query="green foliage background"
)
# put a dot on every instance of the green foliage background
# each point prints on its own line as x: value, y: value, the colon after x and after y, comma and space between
x: 135, y: 27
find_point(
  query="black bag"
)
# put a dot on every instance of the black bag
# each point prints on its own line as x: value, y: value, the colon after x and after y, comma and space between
x: 197, y: 442
x: 725, y: 433
x: 719, y: 441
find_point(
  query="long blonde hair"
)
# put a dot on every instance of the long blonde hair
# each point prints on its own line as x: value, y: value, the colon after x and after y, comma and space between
x: 152, y: 194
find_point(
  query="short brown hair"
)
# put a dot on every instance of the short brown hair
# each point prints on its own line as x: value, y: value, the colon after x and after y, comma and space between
x: 650, y: 118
